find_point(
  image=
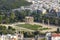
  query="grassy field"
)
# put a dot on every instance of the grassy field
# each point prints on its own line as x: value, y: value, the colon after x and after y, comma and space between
x: 32, y: 27
x: 44, y: 28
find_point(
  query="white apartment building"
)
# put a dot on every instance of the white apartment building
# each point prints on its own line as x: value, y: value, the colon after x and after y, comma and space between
x: 8, y: 37
x: 11, y: 37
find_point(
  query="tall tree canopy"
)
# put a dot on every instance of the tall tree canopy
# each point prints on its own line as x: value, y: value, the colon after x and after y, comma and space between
x: 11, y: 4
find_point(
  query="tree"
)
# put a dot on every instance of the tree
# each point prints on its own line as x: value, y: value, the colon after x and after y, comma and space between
x: 12, y: 17
x: 12, y: 4
x: 37, y: 15
x: 7, y: 20
x: 27, y: 12
x: 1, y: 18
x: 9, y: 28
x: 56, y: 20
x: 58, y: 30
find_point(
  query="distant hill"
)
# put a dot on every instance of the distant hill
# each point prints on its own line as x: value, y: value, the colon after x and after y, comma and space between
x: 11, y: 4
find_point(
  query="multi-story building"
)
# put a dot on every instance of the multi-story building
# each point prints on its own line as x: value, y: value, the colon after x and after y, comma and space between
x: 11, y: 37
x: 53, y: 36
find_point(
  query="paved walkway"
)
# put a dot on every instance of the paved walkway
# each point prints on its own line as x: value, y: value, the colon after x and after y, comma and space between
x: 53, y: 28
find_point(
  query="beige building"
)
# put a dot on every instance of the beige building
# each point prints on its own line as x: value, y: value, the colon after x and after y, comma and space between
x: 29, y: 20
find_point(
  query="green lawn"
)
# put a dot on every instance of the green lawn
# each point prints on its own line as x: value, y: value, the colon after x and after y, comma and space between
x: 32, y: 27
x: 44, y: 28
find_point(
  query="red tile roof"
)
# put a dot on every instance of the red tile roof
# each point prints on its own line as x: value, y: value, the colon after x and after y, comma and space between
x: 56, y: 35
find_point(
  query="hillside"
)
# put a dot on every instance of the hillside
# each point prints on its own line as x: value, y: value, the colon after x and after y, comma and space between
x: 11, y: 4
